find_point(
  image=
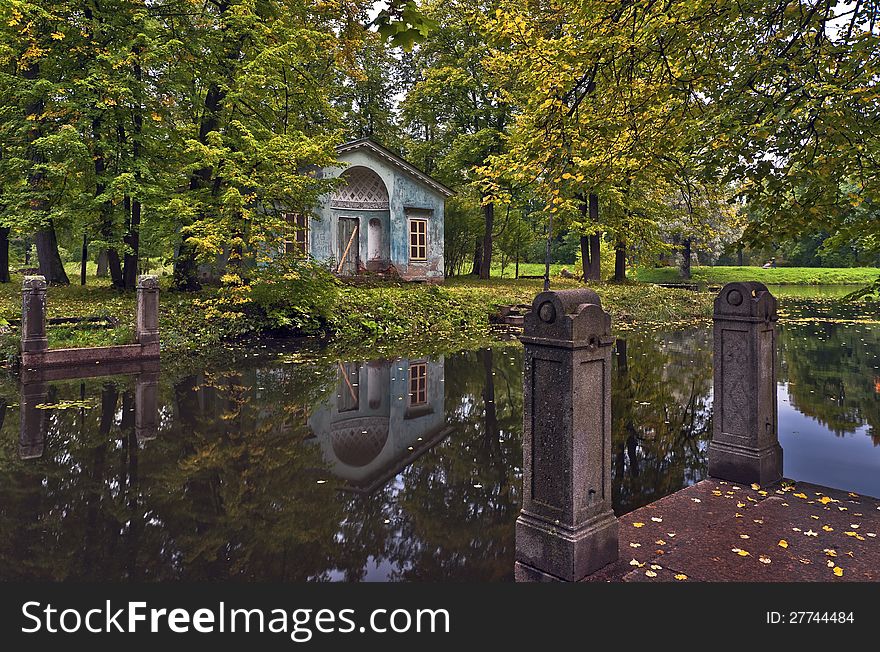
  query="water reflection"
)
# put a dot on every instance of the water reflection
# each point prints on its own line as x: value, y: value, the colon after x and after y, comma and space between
x: 405, y: 469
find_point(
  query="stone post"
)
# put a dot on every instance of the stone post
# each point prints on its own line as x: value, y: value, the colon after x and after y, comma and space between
x: 146, y: 406
x: 33, y: 315
x: 33, y: 421
x: 745, y: 444
x: 148, y: 310
x: 566, y: 529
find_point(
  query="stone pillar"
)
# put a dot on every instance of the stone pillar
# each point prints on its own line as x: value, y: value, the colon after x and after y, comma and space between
x: 33, y: 315
x: 566, y: 529
x: 148, y: 310
x: 146, y: 406
x: 745, y: 444
x: 33, y: 421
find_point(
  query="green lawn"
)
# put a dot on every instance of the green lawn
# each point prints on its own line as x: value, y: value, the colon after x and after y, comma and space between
x: 532, y: 269
x: 778, y: 275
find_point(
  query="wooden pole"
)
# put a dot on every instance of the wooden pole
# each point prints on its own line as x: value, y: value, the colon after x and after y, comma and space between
x: 348, y: 246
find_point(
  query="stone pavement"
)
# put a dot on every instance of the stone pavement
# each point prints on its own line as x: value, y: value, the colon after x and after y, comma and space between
x: 718, y: 531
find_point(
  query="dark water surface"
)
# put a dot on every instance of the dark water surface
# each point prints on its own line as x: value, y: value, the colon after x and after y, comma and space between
x: 275, y: 469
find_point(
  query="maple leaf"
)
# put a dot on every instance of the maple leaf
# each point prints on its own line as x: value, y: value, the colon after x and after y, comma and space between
x: 783, y: 543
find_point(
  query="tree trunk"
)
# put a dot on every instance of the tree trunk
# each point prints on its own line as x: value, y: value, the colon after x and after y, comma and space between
x: 478, y: 257
x: 185, y: 269
x: 51, y: 266
x: 739, y: 255
x: 516, y: 274
x: 102, y: 264
x: 489, y: 215
x: 620, y: 261
x: 106, y: 211
x: 686, y: 258
x: 132, y: 236
x: 84, y: 260
x: 4, y: 254
x: 590, y: 256
x: 585, y: 256
x: 595, y: 258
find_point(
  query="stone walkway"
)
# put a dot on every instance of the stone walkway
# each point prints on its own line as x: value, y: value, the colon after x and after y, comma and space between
x: 720, y: 531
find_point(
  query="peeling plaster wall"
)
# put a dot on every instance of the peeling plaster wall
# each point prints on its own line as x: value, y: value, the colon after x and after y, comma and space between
x: 408, y: 197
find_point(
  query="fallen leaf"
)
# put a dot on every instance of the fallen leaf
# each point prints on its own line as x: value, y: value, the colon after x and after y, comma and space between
x: 740, y: 505
x: 825, y: 500
x: 741, y: 553
x: 759, y: 521
x: 756, y: 486
x: 650, y: 573
x: 783, y: 543
x: 800, y: 495
x: 681, y: 577
x: 837, y: 570
x: 656, y: 519
x: 871, y: 534
x: 796, y: 529
x: 852, y: 495
x: 670, y: 534
x: 743, y: 536
x: 815, y: 517
x: 660, y: 542
x: 850, y: 534
x: 635, y: 562
x: 762, y: 493
x: 697, y: 500
x: 638, y: 525
x: 804, y: 561
x: 635, y: 545
x: 830, y: 564
x: 828, y: 528
x: 764, y: 559
x: 716, y: 493
x: 810, y: 533
x: 830, y: 552
x: 737, y: 515
x: 854, y: 526
x: 655, y: 567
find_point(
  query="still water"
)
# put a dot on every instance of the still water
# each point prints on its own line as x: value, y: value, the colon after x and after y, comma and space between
x: 276, y: 469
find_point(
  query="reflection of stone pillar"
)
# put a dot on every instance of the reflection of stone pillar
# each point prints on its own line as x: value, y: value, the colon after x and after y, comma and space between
x: 34, y: 421
x: 148, y: 310
x: 745, y: 444
x: 146, y: 406
x: 375, y: 387
x: 33, y: 315
x: 566, y: 529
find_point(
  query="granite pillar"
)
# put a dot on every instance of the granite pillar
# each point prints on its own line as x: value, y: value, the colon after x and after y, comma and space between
x: 33, y: 315
x: 745, y: 443
x: 148, y: 310
x: 566, y: 529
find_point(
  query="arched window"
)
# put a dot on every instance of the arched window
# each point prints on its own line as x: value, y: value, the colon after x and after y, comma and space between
x: 364, y: 189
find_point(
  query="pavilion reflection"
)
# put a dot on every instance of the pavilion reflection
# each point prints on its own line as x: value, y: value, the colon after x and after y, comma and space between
x: 382, y: 416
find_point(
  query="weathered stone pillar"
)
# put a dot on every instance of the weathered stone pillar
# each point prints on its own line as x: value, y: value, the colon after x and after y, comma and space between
x: 146, y: 406
x: 33, y: 421
x: 566, y: 529
x: 745, y: 444
x: 33, y: 315
x: 148, y: 310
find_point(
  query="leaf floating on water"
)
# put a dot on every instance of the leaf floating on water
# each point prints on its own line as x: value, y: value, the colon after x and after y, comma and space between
x: 830, y: 552
x: 656, y: 567
x: 656, y: 519
x: 716, y: 493
x: 743, y: 536
x: 804, y: 561
x: 783, y: 543
x: 635, y: 545
x: 67, y: 405
x: 825, y: 500
x: 740, y: 505
x: 636, y: 562
x: 697, y: 500
x: 764, y: 559
x: 660, y: 542
x: 837, y: 570
x: 850, y: 534
x: 800, y: 495
x: 810, y: 533
x: 681, y: 577
x: 650, y: 573
x: 828, y: 528
x: 740, y: 552
x: 755, y: 486
x: 638, y: 525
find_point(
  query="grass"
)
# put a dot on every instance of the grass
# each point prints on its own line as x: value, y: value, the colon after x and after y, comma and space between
x: 369, y: 320
x: 778, y: 275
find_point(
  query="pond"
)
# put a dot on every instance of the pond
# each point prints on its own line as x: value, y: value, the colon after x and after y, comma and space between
x: 273, y: 467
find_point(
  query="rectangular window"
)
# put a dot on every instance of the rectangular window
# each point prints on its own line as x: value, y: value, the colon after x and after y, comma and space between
x: 418, y: 384
x: 418, y: 239
x: 297, y: 242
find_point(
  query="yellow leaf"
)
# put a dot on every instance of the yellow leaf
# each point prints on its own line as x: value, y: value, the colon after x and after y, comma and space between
x: 740, y: 505
x: 655, y: 567
x: 756, y: 486
x: 830, y: 552
x: 650, y: 573
x: 635, y: 562
x: 850, y: 534
x: 57, y: 36
x: 825, y: 500
x: 638, y: 525
x: 741, y: 553
x: 764, y: 559
x: 635, y: 545
x: 743, y: 536
x: 681, y: 577
x: 801, y: 495
x: 837, y: 570
x: 660, y: 542
x: 783, y: 543
x: 827, y: 528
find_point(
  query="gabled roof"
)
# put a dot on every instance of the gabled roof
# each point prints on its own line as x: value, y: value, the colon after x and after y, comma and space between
x: 377, y: 149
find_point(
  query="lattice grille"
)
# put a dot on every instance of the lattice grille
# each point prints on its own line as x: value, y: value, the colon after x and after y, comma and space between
x: 364, y: 189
